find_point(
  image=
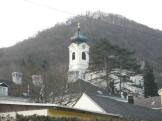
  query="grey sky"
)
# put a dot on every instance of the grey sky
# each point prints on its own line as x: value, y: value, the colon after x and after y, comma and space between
x: 20, y: 19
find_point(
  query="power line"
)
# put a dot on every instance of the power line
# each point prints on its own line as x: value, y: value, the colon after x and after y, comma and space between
x: 50, y: 7
x: 96, y: 19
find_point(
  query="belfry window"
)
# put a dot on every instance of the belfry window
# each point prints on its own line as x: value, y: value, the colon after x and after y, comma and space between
x: 73, y: 56
x: 83, y: 56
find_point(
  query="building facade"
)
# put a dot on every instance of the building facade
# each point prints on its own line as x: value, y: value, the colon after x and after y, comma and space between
x: 78, y: 56
x: 3, y: 89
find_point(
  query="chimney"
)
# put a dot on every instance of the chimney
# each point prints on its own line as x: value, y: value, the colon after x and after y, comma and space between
x: 160, y: 93
x: 130, y: 99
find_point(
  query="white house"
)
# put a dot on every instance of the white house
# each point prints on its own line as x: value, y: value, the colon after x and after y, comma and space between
x: 3, y: 89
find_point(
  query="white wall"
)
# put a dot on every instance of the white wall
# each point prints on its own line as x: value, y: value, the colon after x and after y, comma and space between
x: 86, y: 103
x: 3, y: 91
x: 78, y: 64
x: 42, y: 112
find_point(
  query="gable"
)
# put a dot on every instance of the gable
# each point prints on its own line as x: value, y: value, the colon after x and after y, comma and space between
x: 86, y: 103
x: 7, y: 82
x: 3, y: 84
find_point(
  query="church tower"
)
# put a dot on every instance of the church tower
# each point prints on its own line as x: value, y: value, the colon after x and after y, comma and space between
x: 78, y: 56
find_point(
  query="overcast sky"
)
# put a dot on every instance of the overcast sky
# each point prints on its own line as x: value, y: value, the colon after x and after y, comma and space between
x: 20, y: 19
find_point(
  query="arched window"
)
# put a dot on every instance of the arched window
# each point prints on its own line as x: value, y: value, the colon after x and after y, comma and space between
x: 73, y: 56
x: 83, y: 56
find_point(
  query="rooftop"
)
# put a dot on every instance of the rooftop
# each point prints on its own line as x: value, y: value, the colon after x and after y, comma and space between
x: 125, y: 109
x: 78, y: 36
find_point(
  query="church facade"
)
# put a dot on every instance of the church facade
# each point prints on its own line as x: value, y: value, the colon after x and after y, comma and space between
x: 78, y: 56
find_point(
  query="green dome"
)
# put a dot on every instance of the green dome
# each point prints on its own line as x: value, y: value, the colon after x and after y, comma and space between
x: 79, y: 37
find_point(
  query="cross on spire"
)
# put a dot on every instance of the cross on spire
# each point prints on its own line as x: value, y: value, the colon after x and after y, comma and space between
x: 78, y: 28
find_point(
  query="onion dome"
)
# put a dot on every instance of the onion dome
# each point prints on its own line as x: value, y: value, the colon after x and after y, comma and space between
x: 78, y: 36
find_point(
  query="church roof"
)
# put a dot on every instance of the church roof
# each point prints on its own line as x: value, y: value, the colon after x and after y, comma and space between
x: 78, y: 36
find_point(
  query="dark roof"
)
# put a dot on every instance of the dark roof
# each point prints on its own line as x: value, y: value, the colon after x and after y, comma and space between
x: 90, y: 88
x: 3, y: 84
x: 8, y: 82
x: 72, y: 97
x: 79, y: 38
x: 126, y: 110
x: 115, y: 105
x: 151, y: 102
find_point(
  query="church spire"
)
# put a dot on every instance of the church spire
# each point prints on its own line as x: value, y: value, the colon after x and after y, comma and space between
x: 78, y: 28
x: 78, y: 36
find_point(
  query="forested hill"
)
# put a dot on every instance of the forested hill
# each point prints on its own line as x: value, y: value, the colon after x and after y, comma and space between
x: 49, y: 48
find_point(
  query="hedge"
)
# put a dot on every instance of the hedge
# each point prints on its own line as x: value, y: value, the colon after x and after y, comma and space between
x: 47, y: 118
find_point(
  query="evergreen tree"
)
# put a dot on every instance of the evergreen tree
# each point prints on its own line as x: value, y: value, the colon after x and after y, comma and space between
x: 150, y: 87
x: 106, y: 56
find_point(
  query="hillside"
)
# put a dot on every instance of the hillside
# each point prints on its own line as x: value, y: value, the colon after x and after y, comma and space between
x: 48, y: 50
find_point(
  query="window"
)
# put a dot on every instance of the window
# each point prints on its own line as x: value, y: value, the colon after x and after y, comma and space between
x: 73, y: 56
x: 83, y: 56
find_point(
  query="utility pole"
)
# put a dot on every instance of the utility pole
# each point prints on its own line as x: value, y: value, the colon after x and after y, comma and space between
x: 28, y: 90
x: 120, y: 79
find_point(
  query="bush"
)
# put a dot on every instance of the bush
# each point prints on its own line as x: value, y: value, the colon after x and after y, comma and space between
x: 47, y: 118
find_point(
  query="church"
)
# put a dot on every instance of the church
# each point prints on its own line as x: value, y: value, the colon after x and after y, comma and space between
x: 79, y: 69
x: 78, y: 56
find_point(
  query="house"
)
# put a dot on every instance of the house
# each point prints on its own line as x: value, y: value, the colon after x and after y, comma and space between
x: 53, y: 110
x: 109, y: 105
x: 95, y: 99
x: 71, y: 97
x: 91, y: 103
x: 7, y: 86
x: 3, y: 89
